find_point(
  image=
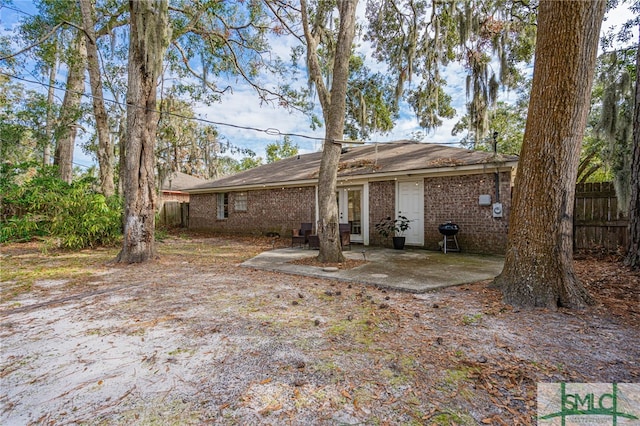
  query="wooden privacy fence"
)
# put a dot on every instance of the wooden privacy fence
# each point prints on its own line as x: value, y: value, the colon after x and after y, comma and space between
x: 174, y: 213
x: 597, y: 222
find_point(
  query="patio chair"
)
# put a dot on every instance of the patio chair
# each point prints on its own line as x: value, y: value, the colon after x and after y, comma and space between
x: 345, y: 235
x: 301, y: 236
x: 314, y: 242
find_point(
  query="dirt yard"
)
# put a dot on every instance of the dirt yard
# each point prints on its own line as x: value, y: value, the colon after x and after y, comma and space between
x: 192, y: 338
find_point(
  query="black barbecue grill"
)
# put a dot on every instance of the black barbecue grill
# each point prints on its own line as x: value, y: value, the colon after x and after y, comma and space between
x: 449, y: 230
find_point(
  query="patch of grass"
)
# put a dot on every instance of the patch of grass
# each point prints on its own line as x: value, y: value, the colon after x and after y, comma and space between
x: 21, y: 271
x: 397, y: 378
x: 180, y: 351
x: 205, y: 252
x: 320, y: 394
x: 96, y: 332
x: 364, y: 326
x: 176, y: 412
x: 136, y: 332
x: 363, y: 396
x: 408, y: 362
x: 472, y: 319
x: 13, y: 289
x: 360, y: 331
x: 451, y: 417
x: 306, y: 343
x: 326, y: 367
x: 456, y: 376
x: 459, y: 380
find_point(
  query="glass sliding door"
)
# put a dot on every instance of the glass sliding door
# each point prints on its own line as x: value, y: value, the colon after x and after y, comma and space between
x: 350, y: 210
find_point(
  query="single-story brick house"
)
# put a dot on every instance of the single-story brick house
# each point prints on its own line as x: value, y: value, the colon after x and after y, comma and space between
x: 429, y: 183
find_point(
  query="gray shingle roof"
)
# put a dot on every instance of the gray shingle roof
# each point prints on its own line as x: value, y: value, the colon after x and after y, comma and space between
x: 178, y: 181
x: 381, y: 158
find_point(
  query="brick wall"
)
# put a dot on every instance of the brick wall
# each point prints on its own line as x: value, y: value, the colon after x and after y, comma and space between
x: 272, y: 210
x: 202, y: 211
x: 455, y: 198
x: 382, y: 203
x: 449, y: 198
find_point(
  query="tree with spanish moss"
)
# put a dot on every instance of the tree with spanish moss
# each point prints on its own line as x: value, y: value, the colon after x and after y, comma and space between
x: 315, y: 23
x: 418, y: 38
x: 354, y: 100
x: 148, y: 40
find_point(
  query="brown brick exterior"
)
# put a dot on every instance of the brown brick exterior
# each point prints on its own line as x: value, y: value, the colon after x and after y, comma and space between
x: 453, y: 198
x: 382, y: 203
x: 271, y: 210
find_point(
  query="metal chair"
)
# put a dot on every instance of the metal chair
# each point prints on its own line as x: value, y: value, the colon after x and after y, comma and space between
x: 345, y: 235
x: 301, y: 236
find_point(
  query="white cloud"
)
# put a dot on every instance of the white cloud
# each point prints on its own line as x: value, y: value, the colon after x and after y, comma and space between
x: 242, y: 108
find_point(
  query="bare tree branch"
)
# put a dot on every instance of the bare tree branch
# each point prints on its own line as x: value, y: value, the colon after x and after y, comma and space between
x: 42, y: 40
x: 185, y: 61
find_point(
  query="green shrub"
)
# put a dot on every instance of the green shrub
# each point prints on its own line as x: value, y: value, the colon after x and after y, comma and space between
x: 20, y: 229
x: 36, y: 203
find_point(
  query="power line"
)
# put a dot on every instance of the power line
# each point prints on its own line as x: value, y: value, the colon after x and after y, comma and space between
x: 16, y: 10
x: 271, y: 131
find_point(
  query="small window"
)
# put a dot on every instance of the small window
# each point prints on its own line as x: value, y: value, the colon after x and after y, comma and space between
x: 223, y: 205
x: 240, y: 202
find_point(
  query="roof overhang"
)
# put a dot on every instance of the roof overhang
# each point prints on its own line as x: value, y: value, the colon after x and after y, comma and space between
x: 174, y: 192
x: 370, y: 177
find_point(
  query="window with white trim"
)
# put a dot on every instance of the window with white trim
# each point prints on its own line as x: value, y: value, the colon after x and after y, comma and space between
x: 240, y: 202
x: 223, y: 205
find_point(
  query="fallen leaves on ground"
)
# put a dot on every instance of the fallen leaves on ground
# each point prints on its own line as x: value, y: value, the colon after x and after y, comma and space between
x: 313, y: 261
x: 192, y: 339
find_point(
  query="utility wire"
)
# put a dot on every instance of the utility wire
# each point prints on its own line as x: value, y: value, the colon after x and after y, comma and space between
x: 6, y: 6
x: 269, y: 131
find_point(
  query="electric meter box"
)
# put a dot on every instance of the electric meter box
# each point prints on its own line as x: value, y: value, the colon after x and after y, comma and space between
x: 497, y: 210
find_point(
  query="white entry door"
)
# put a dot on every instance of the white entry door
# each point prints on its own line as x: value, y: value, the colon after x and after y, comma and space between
x: 410, y: 203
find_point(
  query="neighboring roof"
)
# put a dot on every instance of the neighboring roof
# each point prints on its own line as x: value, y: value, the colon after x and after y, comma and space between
x: 178, y: 181
x: 372, y: 160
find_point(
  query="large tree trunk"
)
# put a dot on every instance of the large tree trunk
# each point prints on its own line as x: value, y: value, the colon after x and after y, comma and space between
x: 106, y: 155
x: 328, y: 229
x: 70, y: 112
x: 633, y: 251
x: 333, y: 109
x: 538, y: 268
x: 148, y: 41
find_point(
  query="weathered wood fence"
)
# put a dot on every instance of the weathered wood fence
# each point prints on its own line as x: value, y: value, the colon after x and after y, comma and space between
x: 174, y: 213
x: 597, y: 222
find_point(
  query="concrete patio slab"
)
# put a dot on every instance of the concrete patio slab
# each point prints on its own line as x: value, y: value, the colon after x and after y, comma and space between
x: 412, y: 270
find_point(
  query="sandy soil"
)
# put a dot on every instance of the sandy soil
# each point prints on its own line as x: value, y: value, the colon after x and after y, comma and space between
x: 191, y: 338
